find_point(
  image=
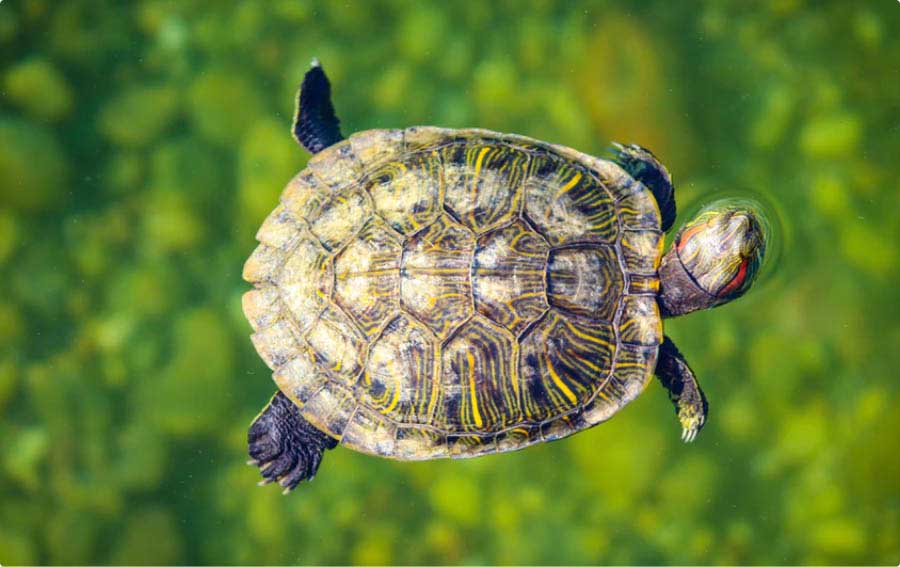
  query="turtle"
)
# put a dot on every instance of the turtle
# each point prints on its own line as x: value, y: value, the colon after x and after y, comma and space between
x: 428, y: 292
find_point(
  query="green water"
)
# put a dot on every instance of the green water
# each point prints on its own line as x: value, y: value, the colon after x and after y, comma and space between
x: 142, y: 144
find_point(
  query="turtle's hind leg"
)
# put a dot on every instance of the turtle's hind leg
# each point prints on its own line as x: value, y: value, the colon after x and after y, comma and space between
x: 284, y: 446
x: 315, y: 125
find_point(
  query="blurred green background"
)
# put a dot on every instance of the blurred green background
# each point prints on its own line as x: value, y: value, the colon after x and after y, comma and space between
x: 142, y: 143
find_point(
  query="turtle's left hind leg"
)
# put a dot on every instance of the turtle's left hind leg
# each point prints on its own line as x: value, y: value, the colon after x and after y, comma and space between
x: 284, y: 446
x: 315, y: 125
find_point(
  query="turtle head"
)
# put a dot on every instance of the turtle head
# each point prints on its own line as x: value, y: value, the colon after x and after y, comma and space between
x: 715, y: 258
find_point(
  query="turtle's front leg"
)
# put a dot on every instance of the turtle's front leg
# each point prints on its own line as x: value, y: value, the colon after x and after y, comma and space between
x: 678, y: 379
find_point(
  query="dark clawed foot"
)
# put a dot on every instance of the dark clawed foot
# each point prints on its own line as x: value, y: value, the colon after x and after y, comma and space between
x: 285, y: 447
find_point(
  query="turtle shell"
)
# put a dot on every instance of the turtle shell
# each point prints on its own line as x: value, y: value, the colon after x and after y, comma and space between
x: 426, y: 292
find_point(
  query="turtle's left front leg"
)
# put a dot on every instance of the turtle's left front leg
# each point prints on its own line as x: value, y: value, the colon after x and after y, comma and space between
x: 678, y: 379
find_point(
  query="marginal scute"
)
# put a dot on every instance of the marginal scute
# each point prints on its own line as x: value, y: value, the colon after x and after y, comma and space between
x: 643, y: 285
x: 401, y: 372
x: 465, y: 446
x: 276, y: 344
x: 483, y: 183
x: 263, y: 264
x: 406, y: 193
x: 279, y: 230
x: 260, y: 306
x: 304, y: 195
x: 508, y: 276
x: 419, y: 443
x: 640, y: 323
x: 479, y: 380
x: 585, y: 281
x: 634, y: 367
x: 561, y: 361
x: 638, y: 208
x: 367, y: 277
x: 619, y: 183
x: 418, y: 137
x: 336, y: 166
x: 330, y: 409
x: 521, y: 435
x: 642, y: 250
x: 372, y: 147
x: 434, y: 275
x: 341, y: 218
x: 368, y: 432
x: 301, y: 377
x: 567, y: 204
x: 561, y: 427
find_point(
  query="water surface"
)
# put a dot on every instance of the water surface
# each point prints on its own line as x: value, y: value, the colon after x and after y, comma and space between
x: 142, y: 143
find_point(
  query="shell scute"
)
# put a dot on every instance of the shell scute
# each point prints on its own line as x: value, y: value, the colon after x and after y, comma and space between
x: 341, y: 218
x: 435, y: 286
x: 277, y: 343
x: 561, y: 362
x: 372, y: 147
x: 279, y: 230
x: 400, y: 378
x: 508, y: 271
x: 304, y: 195
x: 337, y: 166
x: 263, y: 263
x: 367, y: 276
x: 407, y: 193
x: 368, y: 432
x: 641, y: 251
x: 585, y: 281
x: 330, y: 409
x: 305, y: 280
x: 640, y: 323
x: 483, y: 183
x: 338, y: 345
x: 567, y: 204
x: 261, y: 306
x: 479, y: 379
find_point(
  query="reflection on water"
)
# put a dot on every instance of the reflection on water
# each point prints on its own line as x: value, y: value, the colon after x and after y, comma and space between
x: 141, y: 145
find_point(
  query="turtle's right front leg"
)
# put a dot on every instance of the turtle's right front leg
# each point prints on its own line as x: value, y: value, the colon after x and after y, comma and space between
x: 284, y: 446
x: 679, y: 381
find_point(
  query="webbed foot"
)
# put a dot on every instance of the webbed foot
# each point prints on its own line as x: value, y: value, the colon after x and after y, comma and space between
x: 285, y: 447
x: 679, y: 381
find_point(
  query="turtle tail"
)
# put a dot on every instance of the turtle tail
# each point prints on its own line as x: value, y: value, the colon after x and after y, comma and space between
x: 286, y: 448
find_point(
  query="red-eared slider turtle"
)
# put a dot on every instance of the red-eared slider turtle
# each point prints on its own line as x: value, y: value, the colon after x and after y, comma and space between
x: 428, y: 292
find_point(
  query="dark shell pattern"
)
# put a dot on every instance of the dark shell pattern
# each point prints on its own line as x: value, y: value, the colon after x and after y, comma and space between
x: 428, y: 293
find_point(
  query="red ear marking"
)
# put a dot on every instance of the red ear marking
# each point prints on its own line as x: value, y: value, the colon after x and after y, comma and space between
x: 737, y: 280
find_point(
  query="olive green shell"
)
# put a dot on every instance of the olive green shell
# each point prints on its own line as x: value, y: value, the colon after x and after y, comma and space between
x: 426, y: 293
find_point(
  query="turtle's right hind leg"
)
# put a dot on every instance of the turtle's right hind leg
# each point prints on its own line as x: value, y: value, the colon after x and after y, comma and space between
x: 284, y: 446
